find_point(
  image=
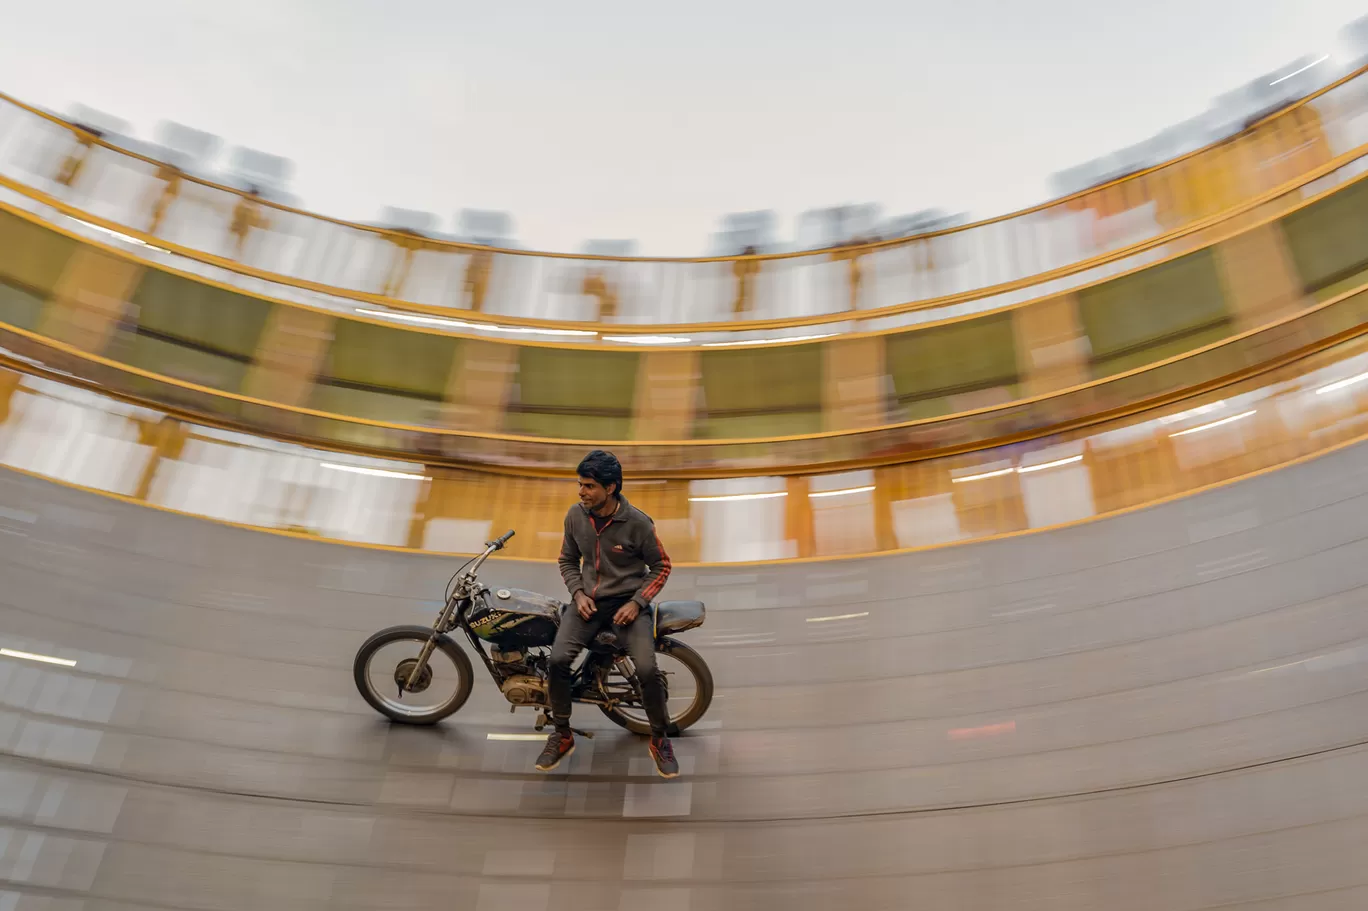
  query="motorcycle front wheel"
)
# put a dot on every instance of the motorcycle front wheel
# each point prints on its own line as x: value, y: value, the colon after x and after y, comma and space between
x: 383, y: 665
x: 688, y: 690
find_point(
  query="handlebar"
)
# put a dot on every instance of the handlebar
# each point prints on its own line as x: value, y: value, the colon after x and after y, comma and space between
x: 490, y: 547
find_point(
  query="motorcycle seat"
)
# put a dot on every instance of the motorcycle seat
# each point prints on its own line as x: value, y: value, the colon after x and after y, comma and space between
x: 678, y: 616
x: 670, y: 617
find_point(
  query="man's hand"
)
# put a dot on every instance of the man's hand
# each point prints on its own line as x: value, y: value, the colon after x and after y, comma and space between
x: 626, y: 614
x: 584, y: 605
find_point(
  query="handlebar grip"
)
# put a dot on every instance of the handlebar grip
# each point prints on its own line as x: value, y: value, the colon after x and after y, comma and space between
x: 504, y: 539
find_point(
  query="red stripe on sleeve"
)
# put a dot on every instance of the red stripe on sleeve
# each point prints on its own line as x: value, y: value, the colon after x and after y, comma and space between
x: 662, y: 573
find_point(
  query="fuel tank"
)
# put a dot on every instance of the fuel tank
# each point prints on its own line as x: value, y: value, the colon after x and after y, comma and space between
x: 511, y: 618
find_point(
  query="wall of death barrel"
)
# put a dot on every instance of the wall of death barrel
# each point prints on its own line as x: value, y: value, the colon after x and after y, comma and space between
x: 174, y: 325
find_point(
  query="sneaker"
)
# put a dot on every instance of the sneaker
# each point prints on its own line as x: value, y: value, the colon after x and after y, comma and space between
x: 558, y: 747
x: 663, y: 755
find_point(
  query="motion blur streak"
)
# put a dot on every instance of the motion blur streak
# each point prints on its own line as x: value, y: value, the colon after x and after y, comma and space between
x: 1013, y: 563
x: 212, y: 722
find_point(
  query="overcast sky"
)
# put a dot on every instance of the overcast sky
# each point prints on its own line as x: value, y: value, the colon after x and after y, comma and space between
x: 647, y: 119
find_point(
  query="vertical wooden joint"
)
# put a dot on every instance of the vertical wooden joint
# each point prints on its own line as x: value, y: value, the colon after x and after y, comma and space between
x: 1258, y: 277
x: 1052, y: 348
x: 90, y: 300
x: 479, y: 386
x: 855, y: 383
x: 665, y: 402
x: 290, y: 355
x: 798, y: 520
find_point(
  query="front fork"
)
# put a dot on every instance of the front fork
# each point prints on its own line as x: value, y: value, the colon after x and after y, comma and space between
x: 441, y: 626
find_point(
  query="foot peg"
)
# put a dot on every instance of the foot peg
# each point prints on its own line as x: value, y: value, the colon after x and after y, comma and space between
x: 543, y: 721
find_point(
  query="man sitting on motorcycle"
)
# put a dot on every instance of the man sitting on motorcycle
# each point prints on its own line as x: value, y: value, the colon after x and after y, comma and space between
x: 614, y: 566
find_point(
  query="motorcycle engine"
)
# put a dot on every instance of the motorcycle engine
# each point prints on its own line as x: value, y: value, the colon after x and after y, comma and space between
x: 524, y: 689
x: 509, y: 662
x: 521, y: 685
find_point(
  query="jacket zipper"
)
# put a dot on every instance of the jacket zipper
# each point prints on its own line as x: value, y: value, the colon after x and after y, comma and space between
x: 598, y: 545
x: 593, y: 594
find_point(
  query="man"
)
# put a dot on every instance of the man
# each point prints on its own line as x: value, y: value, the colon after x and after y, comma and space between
x: 614, y: 566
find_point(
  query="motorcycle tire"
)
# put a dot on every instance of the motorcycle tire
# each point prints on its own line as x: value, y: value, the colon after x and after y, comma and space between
x: 419, y: 634
x: 703, y: 683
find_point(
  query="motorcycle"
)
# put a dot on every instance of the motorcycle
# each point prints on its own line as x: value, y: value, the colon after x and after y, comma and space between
x: 512, y: 631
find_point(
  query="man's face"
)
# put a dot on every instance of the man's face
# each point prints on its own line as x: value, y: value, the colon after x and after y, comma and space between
x: 592, y: 494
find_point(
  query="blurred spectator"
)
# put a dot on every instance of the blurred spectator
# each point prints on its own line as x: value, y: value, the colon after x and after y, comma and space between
x: 744, y: 229
x: 411, y: 228
x: 821, y: 229
x: 486, y: 228
x: 186, y: 148
x: 248, y: 214
x: 477, y: 273
x: 600, y: 277
x: 94, y: 125
x: 268, y: 175
x: 923, y: 250
x: 170, y: 178
x: 852, y: 255
x: 596, y: 285
x: 745, y: 270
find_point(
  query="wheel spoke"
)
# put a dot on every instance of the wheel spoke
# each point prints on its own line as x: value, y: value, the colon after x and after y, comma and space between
x: 387, y: 671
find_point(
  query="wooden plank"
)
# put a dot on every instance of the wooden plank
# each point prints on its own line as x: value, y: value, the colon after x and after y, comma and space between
x: 855, y: 383
x: 292, y: 350
x: 90, y: 300
x: 1052, y: 349
x: 479, y: 386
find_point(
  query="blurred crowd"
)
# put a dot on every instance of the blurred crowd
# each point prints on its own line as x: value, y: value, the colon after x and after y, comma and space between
x: 267, y: 176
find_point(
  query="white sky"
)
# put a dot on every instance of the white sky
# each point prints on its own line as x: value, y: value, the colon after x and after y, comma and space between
x: 610, y: 119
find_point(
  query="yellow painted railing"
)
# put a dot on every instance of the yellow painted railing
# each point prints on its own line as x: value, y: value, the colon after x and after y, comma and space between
x: 1206, y: 318
x: 1295, y: 411
x: 1215, y: 366
x: 53, y: 167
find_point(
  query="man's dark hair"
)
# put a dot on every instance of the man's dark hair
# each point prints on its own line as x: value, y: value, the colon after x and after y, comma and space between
x: 602, y: 467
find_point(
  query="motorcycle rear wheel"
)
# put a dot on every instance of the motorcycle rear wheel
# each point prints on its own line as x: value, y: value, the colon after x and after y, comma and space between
x: 635, y: 721
x: 394, y: 709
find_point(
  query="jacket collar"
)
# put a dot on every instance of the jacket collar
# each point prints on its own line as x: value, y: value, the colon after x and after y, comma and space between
x: 623, y: 511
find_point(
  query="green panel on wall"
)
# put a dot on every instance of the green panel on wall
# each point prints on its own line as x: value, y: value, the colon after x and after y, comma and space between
x: 761, y: 392
x: 391, y: 360
x: 19, y: 306
x: 179, y: 309
x: 595, y: 427
x: 1163, y: 310
x: 929, y: 366
x: 1329, y: 239
x: 375, y: 406
x: 574, y: 393
x: 31, y: 256
x: 193, y: 331
x: 171, y: 359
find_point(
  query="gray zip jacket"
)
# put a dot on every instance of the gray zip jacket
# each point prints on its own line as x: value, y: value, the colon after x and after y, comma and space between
x: 625, y: 560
